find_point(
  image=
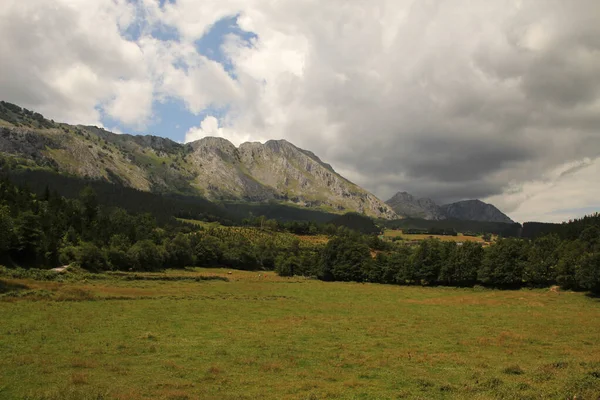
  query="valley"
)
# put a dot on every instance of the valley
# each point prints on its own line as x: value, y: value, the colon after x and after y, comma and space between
x: 257, y: 335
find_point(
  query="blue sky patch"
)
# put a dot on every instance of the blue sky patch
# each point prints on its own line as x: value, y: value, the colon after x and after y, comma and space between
x: 210, y: 44
x: 171, y: 118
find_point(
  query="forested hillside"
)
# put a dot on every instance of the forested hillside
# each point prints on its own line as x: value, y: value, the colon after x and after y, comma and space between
x: 49, y: 230
x: 479, y: 227
x: 566, y: 230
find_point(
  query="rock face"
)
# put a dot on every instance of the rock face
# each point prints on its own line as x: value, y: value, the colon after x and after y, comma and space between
x: 211, y: 167
x: 475, y: 210
x: 407, y: 205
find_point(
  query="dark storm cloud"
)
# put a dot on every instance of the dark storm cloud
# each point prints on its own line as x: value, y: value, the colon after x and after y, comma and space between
x: 447, y: 99
x: 458, y: 161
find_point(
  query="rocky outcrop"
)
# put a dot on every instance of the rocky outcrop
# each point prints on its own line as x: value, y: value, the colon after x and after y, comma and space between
x: 475, y: 210
x: 407, y: 205
x: 211, y: 167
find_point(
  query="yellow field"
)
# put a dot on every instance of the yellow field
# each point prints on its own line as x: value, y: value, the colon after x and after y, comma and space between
x: 390, y: 233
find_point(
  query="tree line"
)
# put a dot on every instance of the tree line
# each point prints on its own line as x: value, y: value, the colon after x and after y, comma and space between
x: 48, y: 230
x: 507, y: 263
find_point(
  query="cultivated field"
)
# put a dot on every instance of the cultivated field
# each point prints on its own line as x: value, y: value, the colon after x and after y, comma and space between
x: 258, y: 336
x: 391, y: 233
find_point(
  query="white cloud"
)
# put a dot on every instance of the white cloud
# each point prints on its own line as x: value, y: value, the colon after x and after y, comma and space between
x: 565, y: 193
x: 132, y: 103
x: 210, y: 126
x: 450, y: 100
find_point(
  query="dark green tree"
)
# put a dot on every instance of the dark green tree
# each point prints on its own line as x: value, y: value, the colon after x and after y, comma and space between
x: 504, y: 263
x: 540, y: 269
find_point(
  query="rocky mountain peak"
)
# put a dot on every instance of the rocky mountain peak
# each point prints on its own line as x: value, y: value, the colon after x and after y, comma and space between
x: 211, y: 167
x: 407, y: 205
x: 475, y: 210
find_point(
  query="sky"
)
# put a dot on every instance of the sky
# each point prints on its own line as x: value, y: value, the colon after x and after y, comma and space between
x: 456, y: 99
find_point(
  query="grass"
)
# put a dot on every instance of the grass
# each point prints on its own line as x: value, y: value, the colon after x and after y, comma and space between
x: 258, y: 335
x: 391, y: 233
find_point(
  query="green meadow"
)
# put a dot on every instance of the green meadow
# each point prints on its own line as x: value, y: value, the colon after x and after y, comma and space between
x: 209, y: 334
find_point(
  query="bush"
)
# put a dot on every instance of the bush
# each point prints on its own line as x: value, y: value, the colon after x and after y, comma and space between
x: 287, y: 265
x: 145, y: 255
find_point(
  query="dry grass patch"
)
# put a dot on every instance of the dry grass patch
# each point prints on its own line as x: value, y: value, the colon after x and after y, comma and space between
x: 79, y: 378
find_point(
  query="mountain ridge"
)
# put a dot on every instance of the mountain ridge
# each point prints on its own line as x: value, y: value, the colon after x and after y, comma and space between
x: 408, y: 206
x: 211, y: 167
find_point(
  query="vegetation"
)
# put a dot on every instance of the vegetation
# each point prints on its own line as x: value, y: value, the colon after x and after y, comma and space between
x: 162, y: 206
x: 407, y: 235
x: 450, y: 224
x: 279, y: 212
x: 356, y: 222
x: 566, y: 230
x: 48, y: 231
x: 506, y: 263
x: 258, y: 335
x: 23, y: 117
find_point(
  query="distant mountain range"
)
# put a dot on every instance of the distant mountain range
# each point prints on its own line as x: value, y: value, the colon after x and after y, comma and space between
x: 408, y: 206
x: 212, y: 167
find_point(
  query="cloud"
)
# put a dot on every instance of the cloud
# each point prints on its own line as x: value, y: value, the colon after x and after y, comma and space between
x: 128, y: 93
x: 211, y: 126
x: 449, y: 100
x: 62, y: 58
x: 562, y: 194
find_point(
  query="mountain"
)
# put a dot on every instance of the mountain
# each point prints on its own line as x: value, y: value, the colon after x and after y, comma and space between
x: 407, y: 205
x: 213, y: 168
x: 475, y: 210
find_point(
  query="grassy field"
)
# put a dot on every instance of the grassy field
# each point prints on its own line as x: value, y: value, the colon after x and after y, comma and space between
x: 259, y: 336
x: 391, y: 233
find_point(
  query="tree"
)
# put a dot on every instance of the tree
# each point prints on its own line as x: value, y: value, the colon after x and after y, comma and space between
x: 570, y: 258
x: 6, y: 230
x: 117, y: 252
x: 401, y: 265
x: 542, y: 261
x: 91, y: 257
x: 145, y: 255
x: 345, y: 258
x: 287, y: 265
x: 29, y: 238
x: 504, y: 263
x: 89, y: 201
x: 427, y: 261
x: 240, y: 254
x: 208, y: 251
x: 449, y: 263
x: 588, y: 273
x: 179, y: 251
x: 468, y: 261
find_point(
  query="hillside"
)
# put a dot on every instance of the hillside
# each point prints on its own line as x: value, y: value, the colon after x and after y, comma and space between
x: 408, y: 206
x: 475, y: 210
x: 211, y: 167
